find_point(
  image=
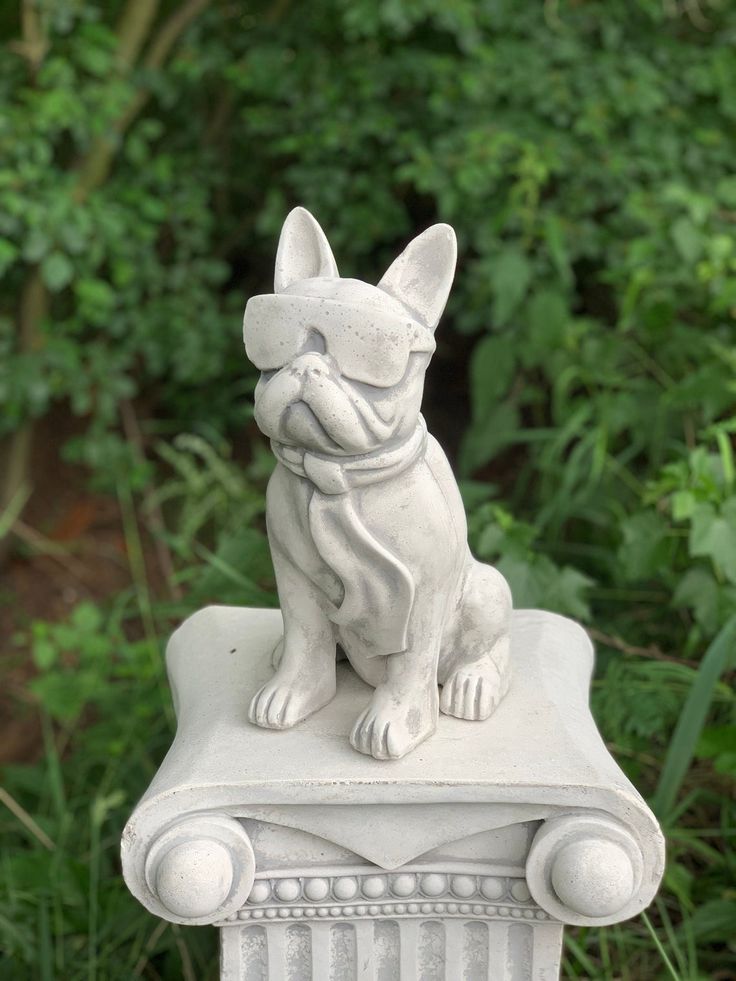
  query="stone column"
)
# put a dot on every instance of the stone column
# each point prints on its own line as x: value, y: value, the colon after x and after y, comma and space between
x: 463, y: 860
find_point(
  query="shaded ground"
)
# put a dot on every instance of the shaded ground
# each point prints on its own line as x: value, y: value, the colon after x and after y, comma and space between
x: 70, y: 547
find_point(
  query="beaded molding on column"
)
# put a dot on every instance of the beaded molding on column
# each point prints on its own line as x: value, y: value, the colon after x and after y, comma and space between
x: 404, y: 894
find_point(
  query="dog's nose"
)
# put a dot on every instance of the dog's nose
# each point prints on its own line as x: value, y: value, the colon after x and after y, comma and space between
x: 311, y: 364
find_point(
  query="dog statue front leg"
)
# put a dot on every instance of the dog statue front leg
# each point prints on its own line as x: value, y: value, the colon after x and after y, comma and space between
x: 305, y: 678
x: 403, y: 710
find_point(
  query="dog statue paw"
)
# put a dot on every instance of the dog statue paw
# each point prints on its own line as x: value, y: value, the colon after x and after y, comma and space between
x: 365, y: 521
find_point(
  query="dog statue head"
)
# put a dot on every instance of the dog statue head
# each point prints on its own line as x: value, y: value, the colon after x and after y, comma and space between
x: 342, y: 363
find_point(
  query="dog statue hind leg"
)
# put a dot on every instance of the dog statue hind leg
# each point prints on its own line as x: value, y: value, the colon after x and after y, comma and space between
x: 474, y: 666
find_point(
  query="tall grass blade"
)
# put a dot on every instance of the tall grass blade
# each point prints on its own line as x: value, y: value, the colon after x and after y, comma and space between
x: 576, y: 949
x: 692, y: 718
x: 660, y: 949
x: 45, y: 945
x: 25, y: 819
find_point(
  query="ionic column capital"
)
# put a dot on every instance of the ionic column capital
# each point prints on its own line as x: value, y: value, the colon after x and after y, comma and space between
x: 197, y: 870
x: 586, y: 868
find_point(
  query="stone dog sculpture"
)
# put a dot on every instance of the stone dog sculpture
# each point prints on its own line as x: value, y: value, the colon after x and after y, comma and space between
x: 365, y: 522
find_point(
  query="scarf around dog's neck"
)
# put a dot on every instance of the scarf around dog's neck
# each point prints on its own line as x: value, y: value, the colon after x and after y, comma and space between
x: 378, y: 587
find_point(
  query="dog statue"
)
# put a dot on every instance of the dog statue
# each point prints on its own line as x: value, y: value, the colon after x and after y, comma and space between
x: 365, y: 522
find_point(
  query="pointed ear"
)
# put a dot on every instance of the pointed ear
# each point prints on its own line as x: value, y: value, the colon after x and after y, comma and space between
x: 422, y: 275
x: 303, y: 251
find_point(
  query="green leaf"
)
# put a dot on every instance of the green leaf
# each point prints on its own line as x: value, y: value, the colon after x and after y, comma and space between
x: 36, y: 245
x: 548, y: 316
x: 57, y: 271
x: 688, y: 239
x: 94, y: 59
x: 44, y: 654
x: 683, y: 505
x: 717, y: 739
x: 714, y: 535
x: 719, y: 744
x: 720, y: 655
x: 640, y: 698
x: 538, y: 582
x: 102, y: 806
x: 476, y: 492
x: 8, y: 254
x: 87, y: 618
x: 510, y: 277
x: 487, y: 437
x: 491, y: 373
x: 715, y: 920
x: 64, y: 695
x: 646, y: 547
x: 567, y: 592
x: 555, y: 238
x: 699, y: 590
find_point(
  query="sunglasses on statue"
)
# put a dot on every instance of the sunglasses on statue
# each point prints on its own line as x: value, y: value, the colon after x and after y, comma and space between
x: 370, y: 344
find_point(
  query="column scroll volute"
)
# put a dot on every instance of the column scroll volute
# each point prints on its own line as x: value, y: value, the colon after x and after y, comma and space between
x: 198, y: 870
x: 587, y: 869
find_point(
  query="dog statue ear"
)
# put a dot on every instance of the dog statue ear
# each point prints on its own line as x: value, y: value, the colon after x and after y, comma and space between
x: 303, y: 252
x: 422, y: 275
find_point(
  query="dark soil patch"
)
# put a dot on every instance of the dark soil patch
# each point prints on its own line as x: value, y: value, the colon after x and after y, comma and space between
x: 70, y: 547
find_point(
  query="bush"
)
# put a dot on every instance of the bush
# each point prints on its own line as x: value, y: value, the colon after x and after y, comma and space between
x: 583, y: 153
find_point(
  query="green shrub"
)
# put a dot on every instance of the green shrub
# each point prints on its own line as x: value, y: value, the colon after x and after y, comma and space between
x: 583, y: 151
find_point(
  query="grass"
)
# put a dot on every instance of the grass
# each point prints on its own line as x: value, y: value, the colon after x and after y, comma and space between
x: 106, y: 720
x: 720, y: 654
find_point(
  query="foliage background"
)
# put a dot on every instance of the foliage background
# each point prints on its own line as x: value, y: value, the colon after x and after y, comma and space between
x: 583, y: 384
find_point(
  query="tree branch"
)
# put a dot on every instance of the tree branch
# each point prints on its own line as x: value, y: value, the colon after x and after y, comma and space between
x: 171, y: 31
x: 34, y: 43
x: 652, y: 652
x: 132, y: 32
x: 16, y: 482
x: 95, y: 167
